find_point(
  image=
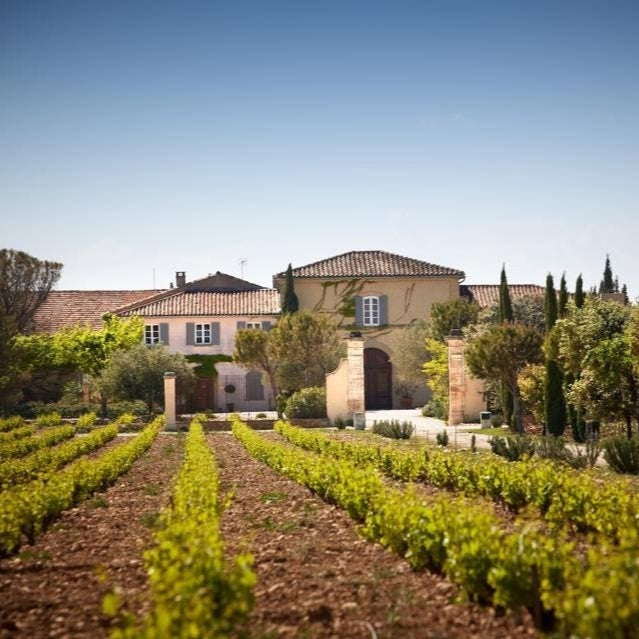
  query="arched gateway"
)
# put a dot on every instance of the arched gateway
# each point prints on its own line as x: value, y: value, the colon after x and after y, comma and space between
x: 378, y: 380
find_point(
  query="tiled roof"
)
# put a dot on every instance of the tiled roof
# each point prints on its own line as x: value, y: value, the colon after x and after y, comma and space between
x: 221, y: 282
x: 69, y: 308
x: 372, y: 264
x: 488, y: 294
x: 184, y: 303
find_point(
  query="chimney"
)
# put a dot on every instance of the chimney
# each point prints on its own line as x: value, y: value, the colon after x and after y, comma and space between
x: 180, y: 278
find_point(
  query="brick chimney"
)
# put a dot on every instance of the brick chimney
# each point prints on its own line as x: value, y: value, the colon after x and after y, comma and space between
x: 180, y: 278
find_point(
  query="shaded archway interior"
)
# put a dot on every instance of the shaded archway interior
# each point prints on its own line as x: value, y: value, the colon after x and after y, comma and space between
x: 378, y: 380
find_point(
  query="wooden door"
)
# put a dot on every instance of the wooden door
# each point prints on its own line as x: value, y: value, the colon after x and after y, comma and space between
x: 204, y: 394
x: 378, y: 383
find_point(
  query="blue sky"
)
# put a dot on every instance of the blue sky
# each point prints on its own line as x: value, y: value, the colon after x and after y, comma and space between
x: 142, y: 136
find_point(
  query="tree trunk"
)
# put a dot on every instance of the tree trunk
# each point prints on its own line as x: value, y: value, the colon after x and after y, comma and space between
x: 274, y: 389
x: 519, y: 422
x: 103, y: 406
x: 628, y: 416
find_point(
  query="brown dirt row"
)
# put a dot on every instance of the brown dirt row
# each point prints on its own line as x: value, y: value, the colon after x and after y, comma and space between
x: 54, y: 587
x: 317, y: 577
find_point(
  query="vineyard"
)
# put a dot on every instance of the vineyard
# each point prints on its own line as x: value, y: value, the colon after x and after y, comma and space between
x: 299, y: 533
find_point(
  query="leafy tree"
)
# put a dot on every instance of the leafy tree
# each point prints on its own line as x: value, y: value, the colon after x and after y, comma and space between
x: 563, y: 297
x: 607, y: 284
x: 457, y: 313
x: 409, y: 355
x: 596, y: 345
x: 580, y: 297
x: 436, y: 371
x: 527, y: 309
x: 252, y: 351
x: 25, y: 282
x: 138, y: 373
x: 500, y: 353
x: 89, y: 350
x: 531, y: 386
x: 305, y: 346
x: 290, y: 303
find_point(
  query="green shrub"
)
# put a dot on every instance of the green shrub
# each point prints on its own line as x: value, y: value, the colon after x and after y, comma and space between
x: 48, y: 419
x: 393, y: 428
x: 622, y: 454
x: 512, y: 448
x: 11, y: 423
x: 497, y: 420
x: 339, y: 423
x: 442, y: 438
x: 126, y: 420
x: 307, y: 402
x: 261, y: 416
x: 555, y: 449
x: 86, y: 421
x: 435, y: 408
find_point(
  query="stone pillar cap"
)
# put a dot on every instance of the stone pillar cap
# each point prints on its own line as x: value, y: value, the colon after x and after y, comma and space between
x: 169, y: 374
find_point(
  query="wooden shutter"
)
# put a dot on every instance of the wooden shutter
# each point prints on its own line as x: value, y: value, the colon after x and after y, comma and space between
x: 359, y: 311
x: 266, y: 325
x: 383, y: 310
x: 215, y: 332
x: 190, y: 334
x: 254, y: 387
x: 241, y: 326
x: 164, y: 334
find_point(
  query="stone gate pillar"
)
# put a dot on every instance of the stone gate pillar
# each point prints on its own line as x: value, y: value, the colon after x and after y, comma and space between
x: 169, y: 401
x: 456, y: 377
x: 355, y: 393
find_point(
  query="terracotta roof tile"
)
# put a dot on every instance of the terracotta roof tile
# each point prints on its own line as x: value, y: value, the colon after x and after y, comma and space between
x: 184, y: 303
x: 372, y: 264
x: 488, y: 294
x: 69, y: 308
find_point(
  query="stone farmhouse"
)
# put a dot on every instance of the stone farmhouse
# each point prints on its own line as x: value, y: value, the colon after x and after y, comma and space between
x: 375, y: 293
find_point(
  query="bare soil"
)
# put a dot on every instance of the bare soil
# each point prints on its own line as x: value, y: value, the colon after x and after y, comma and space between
x: 54, y: 587
x: 317, y: 577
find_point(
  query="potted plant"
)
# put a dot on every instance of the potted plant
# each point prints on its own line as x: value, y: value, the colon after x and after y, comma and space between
x: 404, y: 391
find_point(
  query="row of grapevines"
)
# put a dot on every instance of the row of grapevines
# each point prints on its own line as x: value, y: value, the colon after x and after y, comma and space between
x: 196, y: 591
x: 28, y: 509
x: 46, y: 460
x: 22, y: 447
x: 9, y: 423
x: 583, y: 596
x: 564, y: 497
x: 15, y: 433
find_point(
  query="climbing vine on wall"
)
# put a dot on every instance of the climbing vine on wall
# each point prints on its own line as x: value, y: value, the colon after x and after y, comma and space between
x: 206, y: 363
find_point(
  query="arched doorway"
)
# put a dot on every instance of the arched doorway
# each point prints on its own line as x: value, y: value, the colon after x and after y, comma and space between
x: 378, y: 384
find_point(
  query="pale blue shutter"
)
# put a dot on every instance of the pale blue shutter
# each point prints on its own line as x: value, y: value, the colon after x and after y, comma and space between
x: 359, y: 311
x: 266, y: 325
x: 190, y: 334
x: 383, y: 310
x: 241, y: 326
x: 164, y: 334
x: 215, y: 332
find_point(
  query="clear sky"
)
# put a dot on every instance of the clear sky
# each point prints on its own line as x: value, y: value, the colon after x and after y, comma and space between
x: 191, y: 135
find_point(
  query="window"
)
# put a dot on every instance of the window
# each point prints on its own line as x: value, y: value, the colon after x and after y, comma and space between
x: 152, y: 334
x: 203, y: 334
x: 371, y: 311
x: 257, y: 326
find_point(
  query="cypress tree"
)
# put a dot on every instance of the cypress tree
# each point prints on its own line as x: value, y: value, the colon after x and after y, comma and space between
x: 290, y: 304
x: 607, y: 284
x: 505, y: 304
x: 563, y: 296
x: 506, y: 315
x: 554, y: 403
x: 580, y: 297
x: 626, y: 299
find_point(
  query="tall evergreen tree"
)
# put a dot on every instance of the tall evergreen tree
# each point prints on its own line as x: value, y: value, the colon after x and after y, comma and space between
x: 505, y: 304
x: 626, y: 299
x: 563, y: 296
x: 506, y: 315
x: 607, y: 284
x: 554, y: 403
x: 580, y: 297
x: 290, y: 303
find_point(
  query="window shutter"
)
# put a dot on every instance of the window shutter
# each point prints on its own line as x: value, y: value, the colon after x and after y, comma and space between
x: 215, y: 332
x: 164, y: 334
x: 266, y: 325
x: 254, y: 387
x: 190, y: 334
x: 383, y: 310
x: 241, y: 326
x: 359, y: 310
